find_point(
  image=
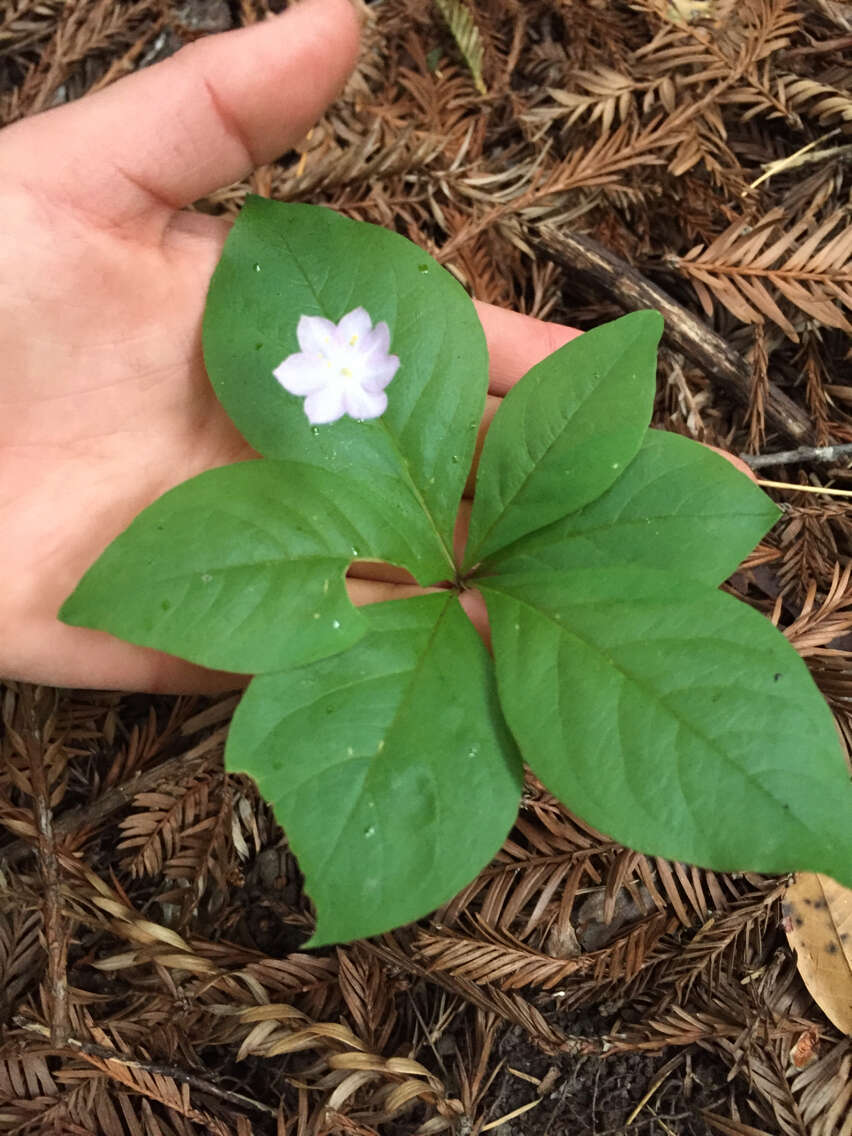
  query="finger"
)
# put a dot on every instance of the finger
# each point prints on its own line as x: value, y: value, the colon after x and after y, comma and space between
x: 50, y: 653
x: 736, y: 462
x: 363, y: 592
x: 517, y: 342
x: 461, y: 528
x: 168, y: 135
x: 53, y: 652
x: 378, y: 570
x: 474, y: 606
x: 492, y: 405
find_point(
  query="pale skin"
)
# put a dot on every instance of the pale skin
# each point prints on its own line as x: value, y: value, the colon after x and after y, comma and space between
x: 104, y: 400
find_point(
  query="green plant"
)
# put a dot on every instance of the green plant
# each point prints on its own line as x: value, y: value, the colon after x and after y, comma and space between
x: 657, y: 707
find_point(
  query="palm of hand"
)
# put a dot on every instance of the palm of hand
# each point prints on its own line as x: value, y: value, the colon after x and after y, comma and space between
x: 107, y: 406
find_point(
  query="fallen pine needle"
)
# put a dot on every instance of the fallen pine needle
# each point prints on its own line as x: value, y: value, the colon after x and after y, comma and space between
x: 789, y: 162
x: 524, y: 1076
x: 666, y: 1070
x: 805, y: 488
x: 510, y: 1115
x: 668, y: 1131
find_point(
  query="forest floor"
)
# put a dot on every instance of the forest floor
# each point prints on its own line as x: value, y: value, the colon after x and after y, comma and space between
x: 601, y: 155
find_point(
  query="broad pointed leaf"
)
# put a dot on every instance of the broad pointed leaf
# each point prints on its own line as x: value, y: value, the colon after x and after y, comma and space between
x: 565, y: 433
x: 276, y: 267
x: 389, y: 766
x: 673, y: 717
x: 677, y: 506
x: 242, y: 568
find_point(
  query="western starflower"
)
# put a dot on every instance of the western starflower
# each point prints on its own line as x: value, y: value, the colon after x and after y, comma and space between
x: 341, y: 369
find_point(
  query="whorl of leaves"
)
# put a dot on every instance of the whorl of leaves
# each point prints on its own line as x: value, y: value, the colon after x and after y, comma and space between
x: 172, y: 969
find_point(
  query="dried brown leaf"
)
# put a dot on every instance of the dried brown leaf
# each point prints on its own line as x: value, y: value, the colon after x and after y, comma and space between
x: 819, y: 928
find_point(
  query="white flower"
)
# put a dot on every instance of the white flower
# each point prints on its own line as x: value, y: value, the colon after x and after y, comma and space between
x: 342, y: 368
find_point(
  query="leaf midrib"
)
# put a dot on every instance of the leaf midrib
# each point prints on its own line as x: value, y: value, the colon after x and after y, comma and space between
x: 418, y: 496
x: 653, y: 697
x: 406, y: 698
x: 512, y: 550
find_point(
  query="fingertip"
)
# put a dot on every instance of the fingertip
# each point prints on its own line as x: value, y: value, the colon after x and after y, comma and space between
x: 270, y: 82
x: 736, y: 462
x: 516, y: 342
x: 169, y: 134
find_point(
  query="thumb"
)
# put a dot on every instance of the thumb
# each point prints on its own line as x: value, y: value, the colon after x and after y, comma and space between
x: 166, y: 136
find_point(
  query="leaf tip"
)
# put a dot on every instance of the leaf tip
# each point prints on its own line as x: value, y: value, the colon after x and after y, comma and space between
x: 69, y: 612
x: 652, y: 319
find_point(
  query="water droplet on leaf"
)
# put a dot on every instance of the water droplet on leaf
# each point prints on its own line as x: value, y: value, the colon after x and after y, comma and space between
x: 422, y: 267
x: 257, y: 268
x: 335, y: 623
x: 206, y: 578
x: 370, y: 831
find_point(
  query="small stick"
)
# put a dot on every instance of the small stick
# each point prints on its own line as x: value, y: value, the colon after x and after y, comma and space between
x: 805, y: 488
x: 802, y: 454
x: 722, y: 365
x: 104, y: 1053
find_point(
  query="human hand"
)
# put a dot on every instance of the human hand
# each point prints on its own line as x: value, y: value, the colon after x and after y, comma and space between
x: 103, y: 278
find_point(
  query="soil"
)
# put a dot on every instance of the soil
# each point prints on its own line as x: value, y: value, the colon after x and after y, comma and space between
x: 599, y: 1096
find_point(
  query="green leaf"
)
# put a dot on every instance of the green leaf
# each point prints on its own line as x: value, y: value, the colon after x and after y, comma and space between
x: 677, y: 506
x: 284, y: 261
x: 388, y: 766
x: 673, y: 717
x: 242, y: 568
x: 565, y: 433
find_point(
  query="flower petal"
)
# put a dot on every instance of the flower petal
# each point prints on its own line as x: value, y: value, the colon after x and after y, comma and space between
x: 363, y: 404
x: 378, y: 375
x: 325, y: 405
x: 301, y: 374
x: 315, y: 334
x: 377, y: 340
x: 356, y: 323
